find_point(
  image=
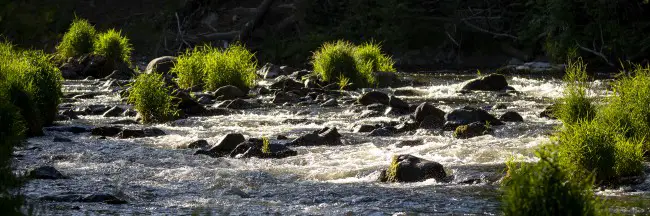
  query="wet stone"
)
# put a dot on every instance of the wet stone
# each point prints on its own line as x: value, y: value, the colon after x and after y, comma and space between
x: 325, y: 136
x: 363, y: 128
x: 61, y: 139
x: 114, y: 112
x: 472, y: 130
x: 511, y: 116
x: 413, y: 169
x: 200, y: 144
x: 71, y: 129
x: 373, y: 97
x: 382, y: 132
x: 46, y: 172
x: 409, y: 143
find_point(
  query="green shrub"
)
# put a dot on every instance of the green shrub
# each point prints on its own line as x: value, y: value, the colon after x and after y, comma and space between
x: 78, y: 40
x: 212, y: 68
x: 33, y: 85
x: 113, y: 46
x: 574, y: 106
x: 151, y: 98
x: 545, y: 188
x: 627, y: 109
x: 589, y: 148
x: 338, y: 60
x: 371, y: 52
x: 234, y: 66
x: 189, y: 67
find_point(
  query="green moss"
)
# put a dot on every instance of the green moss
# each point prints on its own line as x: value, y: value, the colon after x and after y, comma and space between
x: 545, y: 188
x: 113, y: 46
x: 575, y: 106
x: 78, y: 40
x: 266, y: 145
x: 391, y: 172
x: 151, y: 98
x: 212, y: 68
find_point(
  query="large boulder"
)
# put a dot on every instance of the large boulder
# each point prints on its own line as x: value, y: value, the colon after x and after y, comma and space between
x: 373, y: 97
x: 325, y: 136
x: 472, y: 130
x: 492, y: 82
x: 408, y: 168
x: 428, y: 116
x: 161, y: 65
x: 228, y: 92
x: 468, y: 115
x: 226, y: 145
x: 255, y: 148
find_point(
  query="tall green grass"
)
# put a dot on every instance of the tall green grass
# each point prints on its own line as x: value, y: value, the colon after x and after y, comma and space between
x: 575, y: 106
x: 12, y: 128
x: 78, y: 40
x: 212, y: 68
x: 33, y: 84
x: 371, y: 52
x: 546, y: 188
x: 151, y: 98
x: 337, y: 60
x: 112, y: 45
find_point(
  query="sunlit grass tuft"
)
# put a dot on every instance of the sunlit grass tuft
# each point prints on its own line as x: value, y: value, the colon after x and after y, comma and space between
x: 78, y: 40
x: 152, y: 99
x: 113, y: 46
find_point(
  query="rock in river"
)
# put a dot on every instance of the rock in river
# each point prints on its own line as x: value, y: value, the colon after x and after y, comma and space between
x: 408, y: 168
x: 467, y: 115
x: 492, y: 82
x: 255, y: 148
x: 373, y: 97
x: 225, y: 146
x: 434, y: 117
x: 325, y: 136
x: 472, y: 130
x: 511, y: 116
x: 228, y: 92
x: 46, y: 172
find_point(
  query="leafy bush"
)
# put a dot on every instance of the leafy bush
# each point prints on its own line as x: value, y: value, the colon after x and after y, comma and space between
x: 189, y: 67
x: 151, y: 98
x: 589, y: 148
x: 78, y: 40
x: 339, y: 60
x: 113, y: 46
x: 371, y: 52
x: 574, y: 106
x: 627, y: 109
x: 545, y: 188
x: 234, y: 66
x: 33, y: 84
x: 213, y: 68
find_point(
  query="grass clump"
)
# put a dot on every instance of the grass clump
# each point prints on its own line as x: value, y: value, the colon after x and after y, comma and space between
x: 266, y: 145
x: 151, y: 98
x: 212, y: 68
x: 345, y: 63
x: 33, y: 84
x: 545, y: 188
x: 391, y: 172
x: 371, y: 52
x: 575, y: 106
x: 12, y: 128
x: 113, y: 46
x: 234, y: 66
x: 78, y: 40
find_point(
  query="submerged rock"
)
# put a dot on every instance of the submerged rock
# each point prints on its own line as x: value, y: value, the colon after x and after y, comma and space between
x: 363, y: 128
x: 147, y: 132
x: 492, y: 82
x: 511, y: 116
x: 409, y: 143
x: 472, y: 130
x: 107, y: 131
x: 71, y: 129
x: 61, y: 139
x: 325, y: 136
x: 94, y: 197
x: 373, y: 97
x: 384, y: 131
x: 408, y: 168
x: 46, y: 172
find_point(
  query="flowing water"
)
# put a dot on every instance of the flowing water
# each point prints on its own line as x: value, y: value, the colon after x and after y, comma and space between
x: 157, y: 175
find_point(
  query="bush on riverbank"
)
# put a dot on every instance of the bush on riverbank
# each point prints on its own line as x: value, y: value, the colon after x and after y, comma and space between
x: 78, y: 40
x: 545, y: 188
x: 151, y: 98
x: 11, y: 134
x: 33, y: 84
x: 113, y: 46
x: 211, y: 68
x: 343, y: 61
x: 575, y: 106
